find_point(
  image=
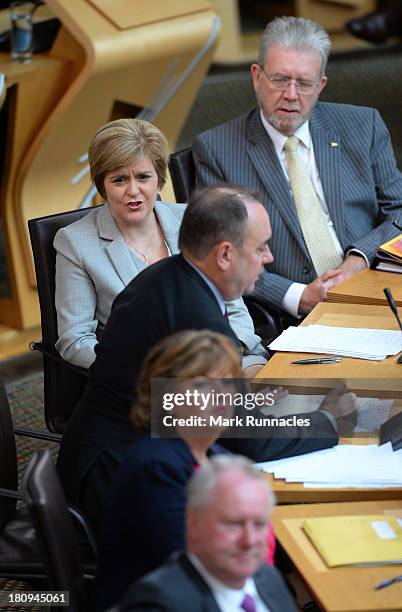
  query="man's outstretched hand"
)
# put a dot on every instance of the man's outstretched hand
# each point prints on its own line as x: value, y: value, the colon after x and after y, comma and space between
x: 341, y: 403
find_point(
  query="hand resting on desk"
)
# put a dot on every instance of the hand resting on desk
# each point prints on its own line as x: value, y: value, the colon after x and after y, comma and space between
x: 317, y: 290
x: 341, y: 404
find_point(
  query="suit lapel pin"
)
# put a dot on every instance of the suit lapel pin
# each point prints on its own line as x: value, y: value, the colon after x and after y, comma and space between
x: 334, y: 144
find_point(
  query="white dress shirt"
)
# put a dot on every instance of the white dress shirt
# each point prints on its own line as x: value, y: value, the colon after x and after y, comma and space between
x: 229, y: 600
x: 305, y: 151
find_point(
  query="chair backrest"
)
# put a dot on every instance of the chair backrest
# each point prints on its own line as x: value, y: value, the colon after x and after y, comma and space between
x: 182, y: 173
x: 42, y: 232
x: 54, y: 530
x: 63, y: 383
x: 8, y: 458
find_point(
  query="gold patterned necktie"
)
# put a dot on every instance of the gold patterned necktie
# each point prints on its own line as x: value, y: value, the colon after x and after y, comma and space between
x: 313, y: 223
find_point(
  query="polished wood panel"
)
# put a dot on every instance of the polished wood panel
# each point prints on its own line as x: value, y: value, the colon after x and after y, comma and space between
x: 15, y: 342
x: 367, y: 288
x: 341, y: 589
x: 30, y: 107
x: 120, y: 12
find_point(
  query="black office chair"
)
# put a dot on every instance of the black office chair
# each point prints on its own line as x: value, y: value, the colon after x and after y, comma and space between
x: 64, y: 383
x: 19, y: 555
x: 55, y: 532
x: 267, y: 321
x: 182, y: 172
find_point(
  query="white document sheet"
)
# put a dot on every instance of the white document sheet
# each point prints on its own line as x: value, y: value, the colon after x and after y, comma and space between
x: 374, y: 344
x: 346, y: 465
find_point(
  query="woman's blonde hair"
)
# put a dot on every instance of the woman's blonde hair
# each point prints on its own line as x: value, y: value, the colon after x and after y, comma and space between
x: 120, y: 143
x: 186, y: 354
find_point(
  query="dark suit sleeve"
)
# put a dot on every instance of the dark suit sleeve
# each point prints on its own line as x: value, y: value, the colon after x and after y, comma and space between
x: 144, y: 595
x: 267, y: 443
x: 388, y: 185
x: 174, y: 587
x: 271, y: 289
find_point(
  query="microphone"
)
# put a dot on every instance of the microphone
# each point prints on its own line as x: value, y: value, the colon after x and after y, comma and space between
x: 394, y: 309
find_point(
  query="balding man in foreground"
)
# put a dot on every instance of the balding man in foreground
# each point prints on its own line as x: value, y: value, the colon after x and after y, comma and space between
x: 326, y: 172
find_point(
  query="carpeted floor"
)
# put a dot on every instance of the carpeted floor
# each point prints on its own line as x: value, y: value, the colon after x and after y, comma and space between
x: 26, y: 404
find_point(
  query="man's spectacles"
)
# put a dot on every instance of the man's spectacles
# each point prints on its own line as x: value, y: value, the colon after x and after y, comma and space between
x: 281, y: 83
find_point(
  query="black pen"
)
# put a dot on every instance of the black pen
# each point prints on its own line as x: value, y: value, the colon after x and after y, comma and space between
x: 317, y: 360
x: 386, y: 583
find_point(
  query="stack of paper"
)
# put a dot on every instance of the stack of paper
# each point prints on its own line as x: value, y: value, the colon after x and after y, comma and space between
x: 350, y: 540
x: 344, y: 466
x: 373, y: 344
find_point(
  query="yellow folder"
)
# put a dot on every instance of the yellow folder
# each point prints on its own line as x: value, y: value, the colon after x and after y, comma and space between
x: 351, y: 540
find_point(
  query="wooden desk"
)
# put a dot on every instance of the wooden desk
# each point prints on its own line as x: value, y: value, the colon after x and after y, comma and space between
x: 341, y: 589
x: 367, y: 288
x: 295, y: 493
x: 382, y: 379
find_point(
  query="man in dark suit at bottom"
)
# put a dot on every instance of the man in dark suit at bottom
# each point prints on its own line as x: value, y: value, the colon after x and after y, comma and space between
x: 229, y: 505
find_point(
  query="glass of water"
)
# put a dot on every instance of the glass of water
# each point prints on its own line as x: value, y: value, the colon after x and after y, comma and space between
x: 21, y: 13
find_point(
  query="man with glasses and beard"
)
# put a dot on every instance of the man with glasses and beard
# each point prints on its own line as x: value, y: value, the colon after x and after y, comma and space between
x: 327, y: 172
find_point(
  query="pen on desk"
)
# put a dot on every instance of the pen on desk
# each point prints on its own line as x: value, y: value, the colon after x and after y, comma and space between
x: 382, y: 585
x: 317, y: 360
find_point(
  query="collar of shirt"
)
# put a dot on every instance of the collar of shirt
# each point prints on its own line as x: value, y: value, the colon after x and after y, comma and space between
x: 279, y: 139
x: 218, y: 295
x: 227, y: 598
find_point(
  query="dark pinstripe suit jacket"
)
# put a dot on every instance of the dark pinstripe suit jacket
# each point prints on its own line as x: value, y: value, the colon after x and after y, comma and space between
x: 362, y: 186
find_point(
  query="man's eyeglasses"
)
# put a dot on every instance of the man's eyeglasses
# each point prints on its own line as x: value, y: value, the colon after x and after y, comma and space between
x: 281, y: 83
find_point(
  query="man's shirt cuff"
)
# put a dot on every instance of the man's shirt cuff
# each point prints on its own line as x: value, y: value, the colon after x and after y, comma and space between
x: 292, y: 298
x: 359, y: 253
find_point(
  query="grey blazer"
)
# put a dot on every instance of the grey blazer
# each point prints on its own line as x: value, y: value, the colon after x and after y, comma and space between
x: 362, y: 186
x: 93, y: 265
